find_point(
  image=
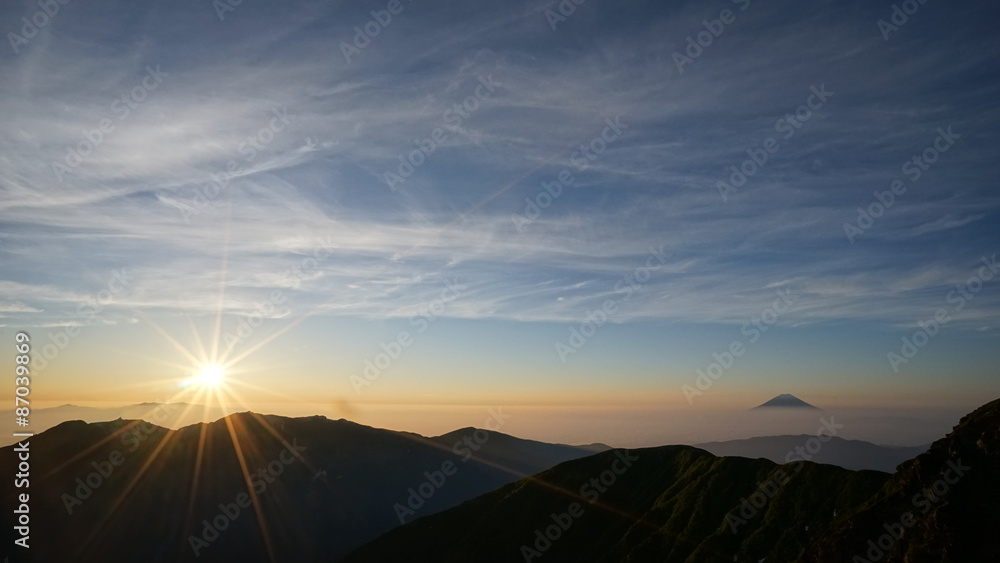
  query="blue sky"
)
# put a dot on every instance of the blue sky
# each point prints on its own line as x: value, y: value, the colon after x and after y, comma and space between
x: 306, y: 213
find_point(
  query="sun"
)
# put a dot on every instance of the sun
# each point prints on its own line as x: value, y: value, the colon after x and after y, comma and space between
x: 209, y: 376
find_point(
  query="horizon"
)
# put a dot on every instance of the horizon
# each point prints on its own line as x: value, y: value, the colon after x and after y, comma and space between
x: 573, y: 427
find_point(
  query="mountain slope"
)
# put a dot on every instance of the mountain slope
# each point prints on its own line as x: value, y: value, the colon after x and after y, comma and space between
x: 666, y: 504
x: 678, y: 504
x: 521, y: 457
x: 323, y: 487
x: 941, y: 506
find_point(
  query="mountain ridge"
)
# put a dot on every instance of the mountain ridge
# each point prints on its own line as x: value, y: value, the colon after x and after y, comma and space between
x: 687, y: 506
x: 333, y: 490
x: 324, y: 486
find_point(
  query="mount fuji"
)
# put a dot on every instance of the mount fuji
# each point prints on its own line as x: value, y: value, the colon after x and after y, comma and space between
x: 786, y: 401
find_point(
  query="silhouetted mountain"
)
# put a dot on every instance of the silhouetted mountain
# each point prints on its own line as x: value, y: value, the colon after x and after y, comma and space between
x: 132, y: 491
x: 666, y: 504
x: 849, y: 454
x: 679, y: 504
x: 785, y: 401
x: 522, y: 457
x: 254, y: 488
x: 169, y: 415
x: 941, y: 506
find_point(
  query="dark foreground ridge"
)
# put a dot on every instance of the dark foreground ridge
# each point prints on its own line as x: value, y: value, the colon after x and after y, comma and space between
x: 940, y: 506
x: 678, y: 504
x: 128, y: 491
x: 318, y: 490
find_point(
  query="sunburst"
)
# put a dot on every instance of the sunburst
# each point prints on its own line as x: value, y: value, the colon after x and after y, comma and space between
x: 207, y: 376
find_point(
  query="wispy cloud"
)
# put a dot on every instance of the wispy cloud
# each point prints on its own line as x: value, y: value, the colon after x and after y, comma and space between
x: 319, y: 182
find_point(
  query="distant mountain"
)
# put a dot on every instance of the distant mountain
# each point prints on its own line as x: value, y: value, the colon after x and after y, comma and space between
x: 518, y: 456
x: 786, y: 401
x: 849, y: 454
x: 678, y: 504
x: 132, y: 491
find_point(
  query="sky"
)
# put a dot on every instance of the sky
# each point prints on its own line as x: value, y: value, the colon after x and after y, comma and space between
x: 420, y: 205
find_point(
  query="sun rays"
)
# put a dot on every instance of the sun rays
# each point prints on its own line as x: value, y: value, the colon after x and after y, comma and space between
x: 208, y: 376
x: 209, y: 379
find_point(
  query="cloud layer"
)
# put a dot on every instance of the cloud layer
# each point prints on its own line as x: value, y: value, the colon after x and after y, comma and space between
x: 246, y: 156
